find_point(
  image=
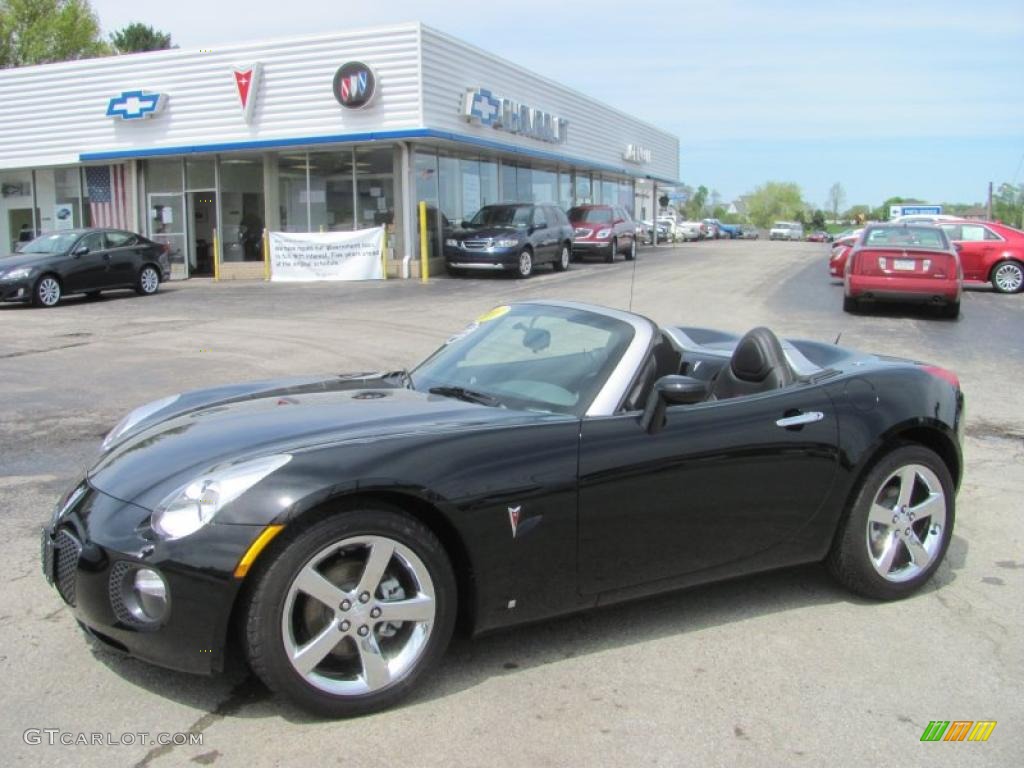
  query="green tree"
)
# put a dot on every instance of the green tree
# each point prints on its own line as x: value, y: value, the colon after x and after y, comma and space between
x: 44, y: 31
x: 696, y: 204
x: 1008, y: 204
x: 857, y: 214
x: 818, y: 219
x: 775, y: 201
x: 137, y: 38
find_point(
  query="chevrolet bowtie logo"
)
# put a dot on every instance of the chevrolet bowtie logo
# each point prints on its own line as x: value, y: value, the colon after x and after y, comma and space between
x: 135, y: 105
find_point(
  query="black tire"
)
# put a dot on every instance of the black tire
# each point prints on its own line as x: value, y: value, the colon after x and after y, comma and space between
x: 524, y: 267
x: 850, y: 560
x: 263, y: 635
x: 631, y: 253
x: 1007, y: 276
x: 148, y: 281
x: 612, y: 251
x: 950, y: 311
x: 47, y: 292
x: 564, y: 257
x: 851, y: 305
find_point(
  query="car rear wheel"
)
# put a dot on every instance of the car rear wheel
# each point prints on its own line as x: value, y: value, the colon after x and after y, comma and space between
x: 951, y: 310
x: 47, y: 292
x: 612, y: 251
x: 898, y: 527
x: 563, y: 259
x: 148, y: 282
x: 1008, y: 276
x: 631, y: 253
x: 851, y: 305
x: 525, y: 266
x: 351, y: 612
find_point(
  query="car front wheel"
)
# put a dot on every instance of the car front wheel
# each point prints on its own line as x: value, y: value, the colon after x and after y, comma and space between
x: 525, y: 266
x: 899, y: 526
x: 351, y: 612
x: 47, y: 292
x: 631, y: 253
x: 612, y: 251
x: 148, y: 282
x: 1008, y: 276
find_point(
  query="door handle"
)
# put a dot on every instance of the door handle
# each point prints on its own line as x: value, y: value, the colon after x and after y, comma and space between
x: 800, y: 419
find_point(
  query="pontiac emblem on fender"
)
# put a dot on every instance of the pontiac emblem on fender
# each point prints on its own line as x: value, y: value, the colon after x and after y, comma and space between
x: 513, y: 518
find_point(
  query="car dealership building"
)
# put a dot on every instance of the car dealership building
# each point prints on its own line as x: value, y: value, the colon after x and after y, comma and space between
x: 335, y: 132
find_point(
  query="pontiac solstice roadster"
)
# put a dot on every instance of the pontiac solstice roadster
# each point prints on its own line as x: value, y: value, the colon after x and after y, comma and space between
x: 551, y: 457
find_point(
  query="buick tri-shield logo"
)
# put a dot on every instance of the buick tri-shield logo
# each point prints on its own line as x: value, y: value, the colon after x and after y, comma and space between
x: 354, y: 85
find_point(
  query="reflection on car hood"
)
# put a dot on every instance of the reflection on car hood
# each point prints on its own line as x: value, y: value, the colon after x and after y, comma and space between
x: 15, y: 260
x: 489, y: 231
x: 187, y: 443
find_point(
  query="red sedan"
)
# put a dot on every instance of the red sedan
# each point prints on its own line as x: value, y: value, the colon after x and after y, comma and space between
x: 908, y: 263
x: 603, y: 229
x: 989, y: 252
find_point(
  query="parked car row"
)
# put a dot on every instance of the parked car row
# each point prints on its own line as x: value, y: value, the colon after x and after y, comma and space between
x: 88, y: 261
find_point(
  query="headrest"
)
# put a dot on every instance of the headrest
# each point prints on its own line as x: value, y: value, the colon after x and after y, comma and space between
x: 756, y: 355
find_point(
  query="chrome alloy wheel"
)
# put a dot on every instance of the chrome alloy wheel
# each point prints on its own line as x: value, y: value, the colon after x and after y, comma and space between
x: 1009, y: 277
x: 48, y: 292
x: 906, y: 523
x: 149, y: 280
x: 525, y: 264
x: 358, y: 615
x: 563, y: 259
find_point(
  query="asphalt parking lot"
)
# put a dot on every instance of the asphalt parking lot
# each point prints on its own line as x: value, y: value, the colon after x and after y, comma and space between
x: 781, y: 669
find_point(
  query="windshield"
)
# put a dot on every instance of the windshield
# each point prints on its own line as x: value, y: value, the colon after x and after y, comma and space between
x: 903, y: 236
x: 530, y: 357
x: 502, y: 216
x: 55, y: 242
x: 590, y: 215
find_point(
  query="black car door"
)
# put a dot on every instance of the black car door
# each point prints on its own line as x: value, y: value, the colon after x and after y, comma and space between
x: 723, y: 481
x: 540, y: 237
x: 85, y: 267
x: 126, y: 254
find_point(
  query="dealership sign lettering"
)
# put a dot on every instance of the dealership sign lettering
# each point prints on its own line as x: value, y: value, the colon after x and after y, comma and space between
x: 634, y: 153
x: 482, y: 107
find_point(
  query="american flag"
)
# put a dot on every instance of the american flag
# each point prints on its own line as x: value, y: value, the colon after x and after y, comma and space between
x: 108, y: 200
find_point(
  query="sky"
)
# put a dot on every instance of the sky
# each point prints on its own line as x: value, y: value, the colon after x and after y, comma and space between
x: 915, y: 99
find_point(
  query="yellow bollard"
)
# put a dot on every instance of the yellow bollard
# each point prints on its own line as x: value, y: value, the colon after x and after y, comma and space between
x: 424, y: 250
x: 266, y: 255
x: 384, y: 251
x: 216, y: 255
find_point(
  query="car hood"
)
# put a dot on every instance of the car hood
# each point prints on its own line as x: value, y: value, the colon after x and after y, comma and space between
x: 490, y: 232
x: 174, y: 448
x: 15, y: 260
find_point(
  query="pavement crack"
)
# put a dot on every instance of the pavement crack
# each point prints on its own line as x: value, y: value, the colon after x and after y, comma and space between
x: 248, y: 691
x: 27, y: 352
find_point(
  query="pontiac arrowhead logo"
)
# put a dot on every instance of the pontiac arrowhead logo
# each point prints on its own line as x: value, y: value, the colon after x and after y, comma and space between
x: 513, y: 518
x: 136, y: 105
x: 247, y: 81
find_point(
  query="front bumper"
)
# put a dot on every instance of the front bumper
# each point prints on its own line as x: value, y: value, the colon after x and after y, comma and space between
x: 925, y: 290
x: 90, y: 547
x: 484, y: 258
x: 16, y: 290
x: 592, y: 246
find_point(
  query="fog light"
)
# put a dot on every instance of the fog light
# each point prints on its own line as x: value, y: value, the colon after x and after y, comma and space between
x: 147, y: 601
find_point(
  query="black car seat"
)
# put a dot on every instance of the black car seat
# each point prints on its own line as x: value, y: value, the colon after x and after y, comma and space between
x: 758, y: 364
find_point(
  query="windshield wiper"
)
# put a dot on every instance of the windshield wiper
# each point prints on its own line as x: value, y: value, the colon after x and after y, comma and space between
x: 465, y: 394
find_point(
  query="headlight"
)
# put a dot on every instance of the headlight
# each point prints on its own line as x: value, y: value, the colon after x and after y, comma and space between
x: 133, y: 418
x: 16, y: 274
x: 506, y: 243
x: 603, y: 233
x: 194, y: 505
x: 451, y: 241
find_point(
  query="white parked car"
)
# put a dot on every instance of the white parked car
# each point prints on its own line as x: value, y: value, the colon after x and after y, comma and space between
x: 787, y: 230
x: 691, y: 230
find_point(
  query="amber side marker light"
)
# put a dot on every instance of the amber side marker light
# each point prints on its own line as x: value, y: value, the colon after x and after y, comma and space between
x: 255, y: 548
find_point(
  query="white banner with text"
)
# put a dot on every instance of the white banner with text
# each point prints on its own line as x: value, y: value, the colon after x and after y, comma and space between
x: 305, y: 256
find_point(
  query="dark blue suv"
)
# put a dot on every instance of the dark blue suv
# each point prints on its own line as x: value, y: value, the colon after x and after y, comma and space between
x: 512, y: 237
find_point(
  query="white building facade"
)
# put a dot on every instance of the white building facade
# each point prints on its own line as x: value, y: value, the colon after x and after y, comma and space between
x: 336, y: 132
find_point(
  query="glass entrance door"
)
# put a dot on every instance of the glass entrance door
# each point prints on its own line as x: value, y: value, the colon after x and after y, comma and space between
x: 202, y: 214
x: 167, y: 225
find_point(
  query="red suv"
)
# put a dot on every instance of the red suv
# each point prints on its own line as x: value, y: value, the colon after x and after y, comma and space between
x: 604, y: 229
x: 900, y: 262
x: 989, y: 252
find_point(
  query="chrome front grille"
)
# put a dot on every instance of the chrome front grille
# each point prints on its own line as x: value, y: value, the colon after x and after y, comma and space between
x: 476, y: 245
x: 66, y: 550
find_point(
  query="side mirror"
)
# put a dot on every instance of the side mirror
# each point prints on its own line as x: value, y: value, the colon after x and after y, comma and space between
x: 958, y: 247
x: 670, y: 390
x: 80, y: 250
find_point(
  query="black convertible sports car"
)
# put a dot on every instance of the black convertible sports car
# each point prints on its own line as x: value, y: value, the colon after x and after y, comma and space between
x: 549, y: 458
